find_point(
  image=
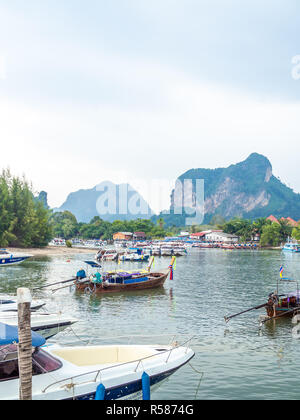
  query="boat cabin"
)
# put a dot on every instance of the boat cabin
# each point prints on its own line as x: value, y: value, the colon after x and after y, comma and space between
x: 42, y: 362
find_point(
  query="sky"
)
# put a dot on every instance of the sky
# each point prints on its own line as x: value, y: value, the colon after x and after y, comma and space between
x: 141, y: 91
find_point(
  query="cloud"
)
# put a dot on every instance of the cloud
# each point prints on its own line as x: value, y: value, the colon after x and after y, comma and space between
x: 87, y: 99
x: 63, y: 147
x: 3, y: 70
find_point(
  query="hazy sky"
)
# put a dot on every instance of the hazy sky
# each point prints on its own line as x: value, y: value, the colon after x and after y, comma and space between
x: 135, y: 90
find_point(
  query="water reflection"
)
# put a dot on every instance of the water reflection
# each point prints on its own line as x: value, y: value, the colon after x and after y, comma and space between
x: 238, y: 359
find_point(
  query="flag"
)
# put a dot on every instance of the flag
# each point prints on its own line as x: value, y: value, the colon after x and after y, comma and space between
x: 281, y: 271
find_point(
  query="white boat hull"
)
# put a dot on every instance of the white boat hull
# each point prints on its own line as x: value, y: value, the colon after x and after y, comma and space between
x: 120, y: 372
x: 46, y: 325
x: 10, y: 304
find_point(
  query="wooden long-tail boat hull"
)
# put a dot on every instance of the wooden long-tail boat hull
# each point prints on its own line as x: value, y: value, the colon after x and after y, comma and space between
x: 285, y: 305
x: 288, y: 312
x: 155, y: 280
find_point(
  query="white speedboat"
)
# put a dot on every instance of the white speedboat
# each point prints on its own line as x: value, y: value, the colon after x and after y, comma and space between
x: 109, y: 255
x: 45, y: 324
x: 66, y: 373
x: 9, y: 258
x: 134, y: 257
x: 171, y: 250
x: 9, y: 304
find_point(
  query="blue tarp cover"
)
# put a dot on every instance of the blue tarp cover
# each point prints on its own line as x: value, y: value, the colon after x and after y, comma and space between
x: 136, y: 280
x: 9, y: 335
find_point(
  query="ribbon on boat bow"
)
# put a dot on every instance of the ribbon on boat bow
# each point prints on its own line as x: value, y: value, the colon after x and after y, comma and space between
x: 172, y: 267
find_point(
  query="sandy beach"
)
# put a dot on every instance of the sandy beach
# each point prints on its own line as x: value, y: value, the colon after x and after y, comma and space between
x: 53, y: 250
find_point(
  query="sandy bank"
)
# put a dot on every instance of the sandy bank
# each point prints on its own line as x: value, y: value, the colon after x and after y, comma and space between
x: 52, y: 250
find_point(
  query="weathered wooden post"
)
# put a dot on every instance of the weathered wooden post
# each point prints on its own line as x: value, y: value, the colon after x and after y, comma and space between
x: 25, y: 344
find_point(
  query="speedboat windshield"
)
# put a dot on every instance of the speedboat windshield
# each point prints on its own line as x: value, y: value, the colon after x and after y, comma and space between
x: 42, y: 362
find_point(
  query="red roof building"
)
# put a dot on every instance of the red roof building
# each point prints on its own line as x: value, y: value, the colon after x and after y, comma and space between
x: 291, y: 221
x: 197, y: 235
x: 273, y: 219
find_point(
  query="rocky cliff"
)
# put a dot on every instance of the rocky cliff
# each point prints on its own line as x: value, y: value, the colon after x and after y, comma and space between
x: 247, y: 189
x: 109, y: 201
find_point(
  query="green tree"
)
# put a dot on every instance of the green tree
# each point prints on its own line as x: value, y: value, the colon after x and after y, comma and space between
x: 271, y: 235
x: 161, y: 223
x: 285, y: 230
x: 240, y: 227
x: 259, y: 224
x: 296, y: 233
x: 64, y: 224
x: 24, y: 222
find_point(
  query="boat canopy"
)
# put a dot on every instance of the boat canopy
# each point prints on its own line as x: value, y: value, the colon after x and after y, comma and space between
x: 294, y: 294
x: 93, y: 264
x: 9, y: 335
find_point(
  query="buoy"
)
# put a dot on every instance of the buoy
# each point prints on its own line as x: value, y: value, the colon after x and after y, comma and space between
x: 146, y: 386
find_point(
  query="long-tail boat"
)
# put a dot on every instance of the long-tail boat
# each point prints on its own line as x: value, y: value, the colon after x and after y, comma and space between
x: 283, y: 305
x: 112, y: 282
x: 277, y: 305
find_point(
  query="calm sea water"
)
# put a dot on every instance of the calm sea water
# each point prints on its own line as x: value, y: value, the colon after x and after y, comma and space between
x: 233, y: 361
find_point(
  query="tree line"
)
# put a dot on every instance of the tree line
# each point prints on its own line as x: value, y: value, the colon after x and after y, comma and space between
x: 24, y: 220
x: 65, y: 225
x: 270, y: 233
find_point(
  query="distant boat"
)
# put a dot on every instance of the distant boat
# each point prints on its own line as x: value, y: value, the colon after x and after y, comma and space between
x: 10, y: 304
x: 45, y: 324
x: 134, y: 257
x: 291, y: 247
x: 8, y: 258
x: 121, y: 281
x: 109, y: 255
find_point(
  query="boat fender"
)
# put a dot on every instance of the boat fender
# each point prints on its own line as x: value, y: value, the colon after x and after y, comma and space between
x: 100, y: 393
x: 146, y: 386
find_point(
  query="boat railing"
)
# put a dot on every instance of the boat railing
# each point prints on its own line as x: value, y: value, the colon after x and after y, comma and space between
x: 98, y: 372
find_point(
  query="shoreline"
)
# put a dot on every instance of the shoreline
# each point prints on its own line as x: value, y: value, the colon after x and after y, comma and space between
x: 63, y: 250
x: 52, y: 250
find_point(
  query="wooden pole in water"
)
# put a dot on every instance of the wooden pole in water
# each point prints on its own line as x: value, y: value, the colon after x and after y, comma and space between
x: 25, y: 344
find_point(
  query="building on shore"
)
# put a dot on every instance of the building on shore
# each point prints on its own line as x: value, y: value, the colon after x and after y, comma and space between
x: 289, y: 220
x: 199, y: 236
x: 214, y: 236
x: 219, y: 236
x: 139, y: 236
x: 273, y: 219
x: 123, y: 236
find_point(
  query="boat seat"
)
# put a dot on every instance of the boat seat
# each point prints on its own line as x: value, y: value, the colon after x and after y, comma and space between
x: 98, y: 355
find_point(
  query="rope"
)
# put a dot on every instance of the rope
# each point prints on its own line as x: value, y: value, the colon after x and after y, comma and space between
x: 80, y: 339
x: 200, y: 380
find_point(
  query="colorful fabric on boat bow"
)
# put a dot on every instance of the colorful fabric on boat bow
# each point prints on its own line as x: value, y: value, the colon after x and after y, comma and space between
x: 172, y: 267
